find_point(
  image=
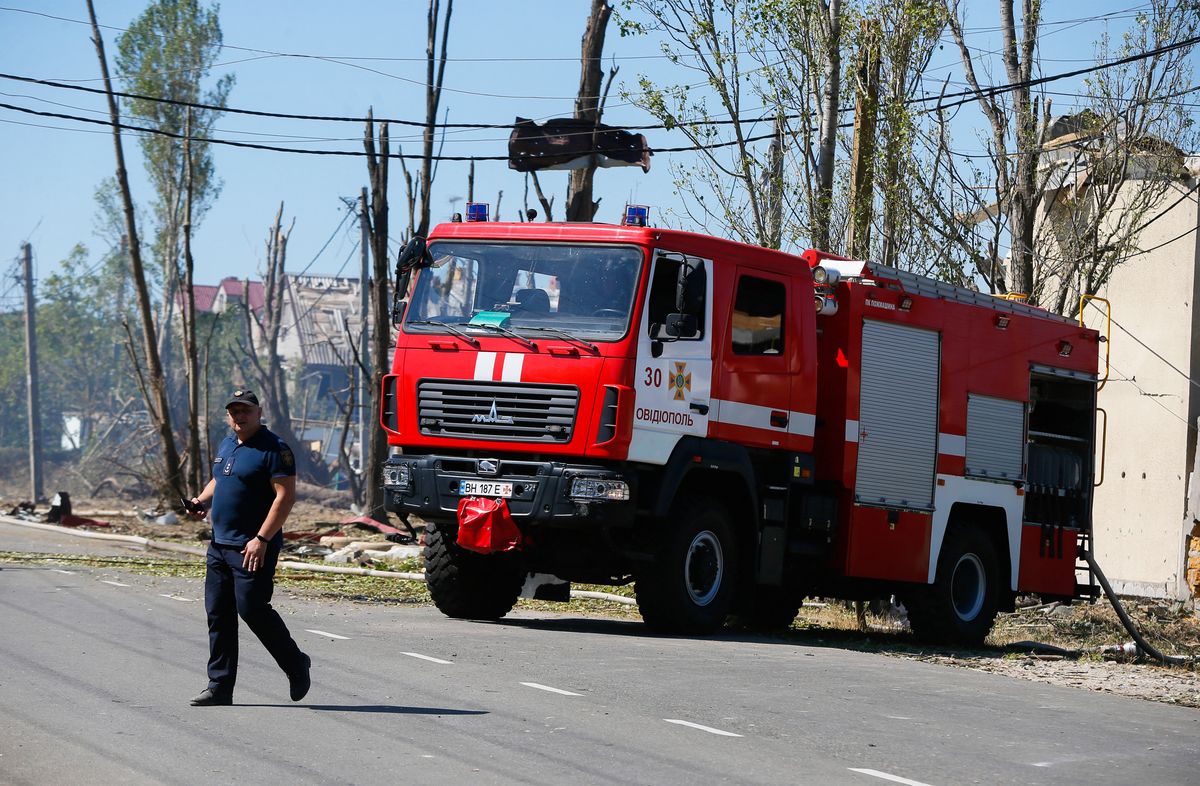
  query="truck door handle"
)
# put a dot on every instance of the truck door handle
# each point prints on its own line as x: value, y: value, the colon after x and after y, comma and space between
x: 701, y: 408
x: 779, y: 419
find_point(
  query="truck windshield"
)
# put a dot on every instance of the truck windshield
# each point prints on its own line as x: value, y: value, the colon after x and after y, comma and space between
x: 585, y: 290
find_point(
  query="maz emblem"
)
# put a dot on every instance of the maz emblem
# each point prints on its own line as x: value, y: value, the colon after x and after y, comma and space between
x: 486, y: 467
x: 492, y: 417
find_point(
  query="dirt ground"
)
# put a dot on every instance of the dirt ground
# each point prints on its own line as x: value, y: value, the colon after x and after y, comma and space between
x: 1091, y: 634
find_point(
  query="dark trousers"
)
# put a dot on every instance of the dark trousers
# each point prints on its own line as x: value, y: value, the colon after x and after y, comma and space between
x: 231, y: 591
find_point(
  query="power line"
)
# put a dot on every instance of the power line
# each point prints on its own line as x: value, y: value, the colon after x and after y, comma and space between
x: 969, y: 94
x: 356, y: 154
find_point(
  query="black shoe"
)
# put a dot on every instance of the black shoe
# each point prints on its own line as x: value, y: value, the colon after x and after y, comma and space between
x: 209, y: 698
x: 299, y: 681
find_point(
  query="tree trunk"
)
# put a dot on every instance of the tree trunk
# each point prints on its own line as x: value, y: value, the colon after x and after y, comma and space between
x: 1023, y: 207
x: 267, y: 366
x: 156, y: 394
x: 377, y: 169
x: 862, y: 158
x: 580, y: 206
x: 195, y: 479
x: 829, y: 124
x: 435, y: 71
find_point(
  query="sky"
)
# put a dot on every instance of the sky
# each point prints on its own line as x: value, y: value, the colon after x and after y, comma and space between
x: 507, y: 59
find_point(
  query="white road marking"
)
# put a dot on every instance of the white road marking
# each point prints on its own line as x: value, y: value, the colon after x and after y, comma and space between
x: 114, y: 583
x: 428, y: 658
x: 176, y: 597
x: 67, y: 572
x: 708, y: 729
x: 887, y: 777
x: 329, y: 635
x: 560, y: 691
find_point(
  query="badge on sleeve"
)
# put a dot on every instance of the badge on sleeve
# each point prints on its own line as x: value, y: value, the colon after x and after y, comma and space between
x: 288, y: 459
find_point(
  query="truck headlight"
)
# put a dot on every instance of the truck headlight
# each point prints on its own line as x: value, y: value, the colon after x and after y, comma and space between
x: 397, y: 477
x: 593, y: 489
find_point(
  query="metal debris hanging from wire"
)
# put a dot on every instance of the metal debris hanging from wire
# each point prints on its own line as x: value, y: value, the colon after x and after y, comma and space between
x: 568, y: 143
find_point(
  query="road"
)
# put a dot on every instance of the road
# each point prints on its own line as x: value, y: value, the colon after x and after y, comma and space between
x: 98, y: 666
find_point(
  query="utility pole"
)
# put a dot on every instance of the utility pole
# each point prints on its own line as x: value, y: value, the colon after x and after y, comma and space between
x: 31, y: 380
x: 364, y: 306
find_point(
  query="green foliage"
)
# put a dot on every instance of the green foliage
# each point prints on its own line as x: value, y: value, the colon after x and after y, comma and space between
x: 13, y: 424
x: 81, y: 362
x: 165, y: 54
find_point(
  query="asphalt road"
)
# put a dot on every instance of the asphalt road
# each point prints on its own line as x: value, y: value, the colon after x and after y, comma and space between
x: 98, y: 665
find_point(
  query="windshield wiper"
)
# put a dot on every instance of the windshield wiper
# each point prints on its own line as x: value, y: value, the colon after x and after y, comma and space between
x: 566, y: 335
x: 506, y: 332
x: 460, y: 333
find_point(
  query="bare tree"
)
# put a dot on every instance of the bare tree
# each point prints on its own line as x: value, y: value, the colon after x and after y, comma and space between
x: 435, y: 73
x: 913, y: 30
x: 724, y: 191
x: 195, y: 477
x: 1112, y: 168
x: 772, y: 175
x: 155, y: 389
x: 1068, y: 197
x: 1018, y: 120
x: 589, y: 107
x: 260, y: 346
x: 829, y: 22
x: 377, y: 169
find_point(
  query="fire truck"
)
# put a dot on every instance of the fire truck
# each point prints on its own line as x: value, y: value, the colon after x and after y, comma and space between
x: 731, y: 429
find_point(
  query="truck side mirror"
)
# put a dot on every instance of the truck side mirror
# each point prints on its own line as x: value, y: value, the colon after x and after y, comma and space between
x: 414, y: 254
x: 690, y: 287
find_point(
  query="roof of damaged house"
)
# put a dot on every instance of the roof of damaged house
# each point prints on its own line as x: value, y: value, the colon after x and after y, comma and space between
x: 321, y: 319
x: 204, y: 295
x: 232, y: 289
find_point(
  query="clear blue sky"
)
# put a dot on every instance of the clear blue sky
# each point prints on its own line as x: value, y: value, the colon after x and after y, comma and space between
x: 518, y: 57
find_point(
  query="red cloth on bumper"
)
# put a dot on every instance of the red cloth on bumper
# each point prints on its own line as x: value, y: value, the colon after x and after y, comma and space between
x: 485, y: 526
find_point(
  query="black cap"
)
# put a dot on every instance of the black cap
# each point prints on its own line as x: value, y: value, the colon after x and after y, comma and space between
x: 242, y: 396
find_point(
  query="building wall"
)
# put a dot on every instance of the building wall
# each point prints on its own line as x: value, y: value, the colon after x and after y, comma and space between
x: 1142, y: 525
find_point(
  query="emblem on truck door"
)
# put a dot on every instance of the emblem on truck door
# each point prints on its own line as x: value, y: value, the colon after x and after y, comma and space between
x: 679, y: 381
x: 492, y: 417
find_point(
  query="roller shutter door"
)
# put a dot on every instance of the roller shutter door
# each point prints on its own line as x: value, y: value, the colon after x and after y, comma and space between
x: 898, y: 416
x: 995, y: 438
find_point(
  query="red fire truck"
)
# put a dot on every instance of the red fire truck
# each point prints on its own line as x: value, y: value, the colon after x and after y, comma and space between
x: 731, y: 428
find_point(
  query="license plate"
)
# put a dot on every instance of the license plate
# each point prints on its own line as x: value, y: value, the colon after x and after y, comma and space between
x: 484, y: 488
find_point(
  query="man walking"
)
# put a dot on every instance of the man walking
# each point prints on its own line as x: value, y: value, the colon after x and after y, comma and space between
x: 248, y: 499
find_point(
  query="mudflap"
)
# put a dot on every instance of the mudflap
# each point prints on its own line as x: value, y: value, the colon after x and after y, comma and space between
x: 485, y: 526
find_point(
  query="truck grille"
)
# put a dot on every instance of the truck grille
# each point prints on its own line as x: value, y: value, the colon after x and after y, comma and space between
x: 496, y: 410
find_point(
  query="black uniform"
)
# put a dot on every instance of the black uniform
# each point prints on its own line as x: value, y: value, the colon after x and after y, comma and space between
x: 241, y: 500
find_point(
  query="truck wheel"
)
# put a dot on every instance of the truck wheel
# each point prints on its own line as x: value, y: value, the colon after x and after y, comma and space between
x: 466, y: 585
x: 767, y: 608
x: 961, y: 605
x: 689, y: 587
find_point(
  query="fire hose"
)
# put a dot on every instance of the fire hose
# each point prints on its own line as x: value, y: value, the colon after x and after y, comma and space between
x: 1143, y: 645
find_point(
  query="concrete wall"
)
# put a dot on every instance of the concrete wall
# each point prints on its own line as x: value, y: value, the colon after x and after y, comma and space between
x: 1142, y: 525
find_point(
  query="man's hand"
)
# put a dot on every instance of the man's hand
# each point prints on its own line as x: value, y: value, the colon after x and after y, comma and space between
x: 254, y: 554
x: 195, y: 508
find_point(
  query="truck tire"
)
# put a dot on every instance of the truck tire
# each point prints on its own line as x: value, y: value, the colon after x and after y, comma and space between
x: 767, y: 608
x: 689, y: 586
x: 960, y: 606
x: 466, y: 585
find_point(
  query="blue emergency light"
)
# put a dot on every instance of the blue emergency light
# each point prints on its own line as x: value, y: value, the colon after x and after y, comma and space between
x: 637, y: 216
x: 477, y: 211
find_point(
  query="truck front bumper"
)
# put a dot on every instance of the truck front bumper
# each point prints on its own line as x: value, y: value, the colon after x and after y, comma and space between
x: 537, y: 492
